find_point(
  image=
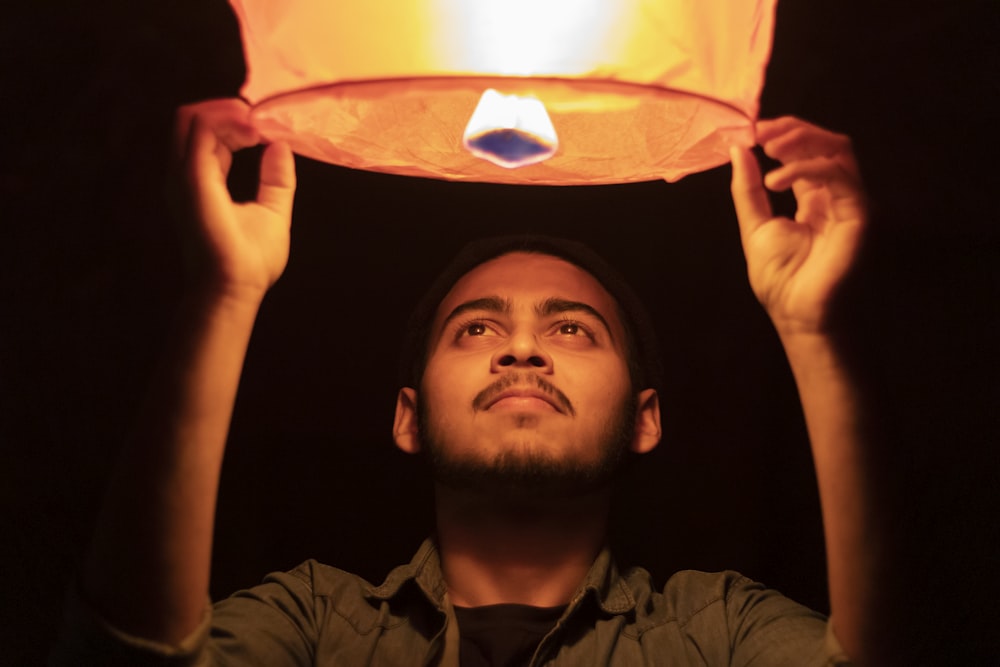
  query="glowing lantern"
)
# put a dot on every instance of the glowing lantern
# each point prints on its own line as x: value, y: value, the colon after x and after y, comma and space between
x: 509, y: 91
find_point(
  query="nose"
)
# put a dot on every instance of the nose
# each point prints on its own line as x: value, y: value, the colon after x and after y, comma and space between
x: 522, y: 350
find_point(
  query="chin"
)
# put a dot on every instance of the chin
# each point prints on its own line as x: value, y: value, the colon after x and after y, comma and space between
x: 524, y: 471
x: 526, y: 464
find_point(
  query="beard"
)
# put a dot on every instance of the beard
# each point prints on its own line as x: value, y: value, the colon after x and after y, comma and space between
x: 524, y: 472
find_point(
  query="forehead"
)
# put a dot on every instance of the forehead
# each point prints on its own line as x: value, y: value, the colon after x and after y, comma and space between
x: 528, y: 279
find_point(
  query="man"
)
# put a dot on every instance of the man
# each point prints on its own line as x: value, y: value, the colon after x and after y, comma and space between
x: 530, y: 384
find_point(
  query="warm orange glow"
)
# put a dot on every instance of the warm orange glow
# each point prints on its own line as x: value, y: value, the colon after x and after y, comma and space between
x: 510, y: 131
x: 634, y: 89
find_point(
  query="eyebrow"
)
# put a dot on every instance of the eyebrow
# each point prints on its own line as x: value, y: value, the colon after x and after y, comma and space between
x: 490, y: 304
x: 555, y: 305
x: 551, y: 306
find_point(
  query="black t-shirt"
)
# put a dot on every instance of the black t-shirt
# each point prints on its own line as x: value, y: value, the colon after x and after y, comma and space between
x: 502, y: 635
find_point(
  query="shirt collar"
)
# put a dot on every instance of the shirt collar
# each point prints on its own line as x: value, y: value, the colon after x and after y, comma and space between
x: 603, y: 582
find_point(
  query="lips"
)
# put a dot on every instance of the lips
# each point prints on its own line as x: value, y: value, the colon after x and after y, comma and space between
x: 525, y: 390
x: 522, y: 398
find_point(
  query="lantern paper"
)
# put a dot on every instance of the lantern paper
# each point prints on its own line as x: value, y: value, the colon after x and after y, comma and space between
x: 634, y: 90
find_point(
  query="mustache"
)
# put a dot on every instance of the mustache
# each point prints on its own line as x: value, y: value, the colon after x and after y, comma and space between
x: 505, y: 382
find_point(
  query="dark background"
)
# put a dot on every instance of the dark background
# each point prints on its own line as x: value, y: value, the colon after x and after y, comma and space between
x: 89, y: 278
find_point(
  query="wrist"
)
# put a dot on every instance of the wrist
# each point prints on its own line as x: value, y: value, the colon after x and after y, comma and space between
x: 212, y: 289
x: 810, y: 350
x: 234, y: 302
x: 811, y: 329
x: 228, y: 282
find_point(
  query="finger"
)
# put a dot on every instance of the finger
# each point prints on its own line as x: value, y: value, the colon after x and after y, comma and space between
x: 277, y: 180
x: 830, y: 172
x: 790, y: 138
x: 183, y: 119
x: 768, y: 128
x: 205, y: 171
x: 753, y: 208
x: 229, y: 119
x: 805, y: 142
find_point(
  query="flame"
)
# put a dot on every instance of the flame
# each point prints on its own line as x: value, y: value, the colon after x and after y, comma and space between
x: 510, y: 130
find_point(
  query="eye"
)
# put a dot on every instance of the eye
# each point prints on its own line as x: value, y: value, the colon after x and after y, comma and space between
x: 569, y: 328
x: 474, y: 329
x: 572, y: 329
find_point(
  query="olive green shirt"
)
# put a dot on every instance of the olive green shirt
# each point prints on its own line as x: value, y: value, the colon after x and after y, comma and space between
x: 316, y: 615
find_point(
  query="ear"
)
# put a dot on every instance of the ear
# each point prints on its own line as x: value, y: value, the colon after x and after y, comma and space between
x: 647, y: 422
x: 405, y: 426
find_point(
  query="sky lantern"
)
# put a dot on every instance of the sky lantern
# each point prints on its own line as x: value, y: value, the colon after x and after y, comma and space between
x: 547, y: 92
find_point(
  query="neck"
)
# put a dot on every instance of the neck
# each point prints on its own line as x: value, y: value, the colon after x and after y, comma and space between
x: 533, y: 552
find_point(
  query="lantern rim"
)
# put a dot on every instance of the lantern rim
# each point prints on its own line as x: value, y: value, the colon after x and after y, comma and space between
x: 569, y: 80
x: 610, y: 131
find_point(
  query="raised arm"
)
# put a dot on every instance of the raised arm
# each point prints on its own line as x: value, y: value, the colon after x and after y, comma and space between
x: 148, y: 569
x: 795, y: 267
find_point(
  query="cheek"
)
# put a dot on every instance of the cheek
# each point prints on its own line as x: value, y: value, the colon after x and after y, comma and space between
x: 604, y: 380
x: 437, y: 375
x: 446, y: 385
x: 451, y: 366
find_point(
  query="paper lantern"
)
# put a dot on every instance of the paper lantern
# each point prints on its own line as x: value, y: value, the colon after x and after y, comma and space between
x: 582, y: 91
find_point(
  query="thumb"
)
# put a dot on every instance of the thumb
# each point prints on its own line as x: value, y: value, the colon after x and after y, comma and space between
x: 276, y: 191
x: 749, y: 196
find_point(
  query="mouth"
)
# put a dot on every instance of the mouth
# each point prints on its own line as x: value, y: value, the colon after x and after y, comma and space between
x: 521, y: 400
x: 524, y: 392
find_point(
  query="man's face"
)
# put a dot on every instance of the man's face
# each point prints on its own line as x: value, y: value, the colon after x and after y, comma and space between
x: 526, y: 384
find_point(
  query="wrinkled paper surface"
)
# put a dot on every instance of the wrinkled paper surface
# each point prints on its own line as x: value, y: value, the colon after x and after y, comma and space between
x: 658, y: 89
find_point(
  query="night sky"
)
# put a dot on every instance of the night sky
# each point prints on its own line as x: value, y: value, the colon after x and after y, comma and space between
x: 91, y: 271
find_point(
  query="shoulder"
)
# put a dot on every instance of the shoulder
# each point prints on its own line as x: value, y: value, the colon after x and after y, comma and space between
x: 723, y: 599
x: 723, y: 618
x: 314, y: 609
x: 313, y: 597
x: 321, y: 580
x: 307, y: 581
x: 689, y: 592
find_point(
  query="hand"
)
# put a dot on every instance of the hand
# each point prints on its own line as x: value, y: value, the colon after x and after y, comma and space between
x: 244, y: 246
x: 795, y: 266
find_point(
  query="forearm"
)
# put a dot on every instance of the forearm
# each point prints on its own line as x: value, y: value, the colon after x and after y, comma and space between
x: 840, y: 436
x: 148, y: 569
